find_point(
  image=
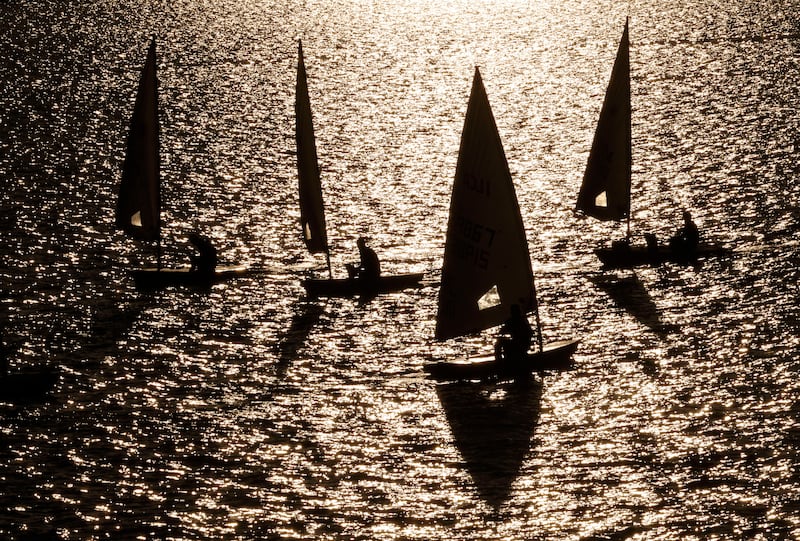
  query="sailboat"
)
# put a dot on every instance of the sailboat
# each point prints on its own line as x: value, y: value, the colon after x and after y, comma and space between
x: 312, y: 208
x: 138, y: 211
x: 605, y: 192
x: 487, y: 267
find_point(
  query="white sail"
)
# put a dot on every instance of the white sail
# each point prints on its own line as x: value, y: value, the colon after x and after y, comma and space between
x: 486, y: 265
x: 139, y: 200
x: 312, y: 210
x: 605, y: 193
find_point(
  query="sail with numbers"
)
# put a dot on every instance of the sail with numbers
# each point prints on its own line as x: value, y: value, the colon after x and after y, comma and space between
x: 487, y: 266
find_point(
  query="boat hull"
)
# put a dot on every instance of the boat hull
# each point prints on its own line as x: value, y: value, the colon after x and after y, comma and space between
x: 153, y: 278
x: 555, y: 356
x: 351, y: 287
x: 623, y: 256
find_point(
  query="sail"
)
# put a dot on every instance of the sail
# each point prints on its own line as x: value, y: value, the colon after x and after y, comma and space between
x: 312, y: 210
x: 139, y: 201
x: 486, y: 265
x: 606, y: 190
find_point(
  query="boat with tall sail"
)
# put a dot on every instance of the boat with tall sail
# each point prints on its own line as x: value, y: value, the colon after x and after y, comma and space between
x: 487, y: 267
x: 312, y: 208
x: 138, y: 210
x: 605, y: 193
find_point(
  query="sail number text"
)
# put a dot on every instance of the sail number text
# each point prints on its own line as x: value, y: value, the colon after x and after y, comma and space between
x: 475, y: 242
x: 477, y: 184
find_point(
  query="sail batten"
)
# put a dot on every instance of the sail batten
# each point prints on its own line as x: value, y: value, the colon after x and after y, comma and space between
x: 486, y: 250
x: 605, y: 193
x: 139, y: 200
x: 312, y: 209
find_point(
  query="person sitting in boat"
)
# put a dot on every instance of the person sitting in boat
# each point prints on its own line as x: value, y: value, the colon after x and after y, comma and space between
x: 621, y: 245
x: 206, y: 259
x: 688, y: 237
x: 369, y: 268
x: 513, y: 347
x: 652, y: 243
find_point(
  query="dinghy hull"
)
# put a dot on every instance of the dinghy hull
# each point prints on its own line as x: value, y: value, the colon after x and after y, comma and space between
x: 153, y: 278
x: 351, y: 287
x: 624, y: 256
x: 556, y: 356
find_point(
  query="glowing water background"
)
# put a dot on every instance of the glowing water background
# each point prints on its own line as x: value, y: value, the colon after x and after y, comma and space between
x: 247, y: 412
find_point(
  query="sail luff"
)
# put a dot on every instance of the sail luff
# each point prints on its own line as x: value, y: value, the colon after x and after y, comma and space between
x: 486, y: 266
x: 605, y: 193
x: 312, y: 209
x: 139, y: 201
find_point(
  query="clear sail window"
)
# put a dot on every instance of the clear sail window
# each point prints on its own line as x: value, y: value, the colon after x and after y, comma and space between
x: 490, y: 299
x: 136, y: 219
x: 600, y: 200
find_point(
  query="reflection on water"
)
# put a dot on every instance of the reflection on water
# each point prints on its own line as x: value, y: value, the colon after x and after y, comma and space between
x: 248, y: 412
x: 629, y: 293
x: 492, y: 427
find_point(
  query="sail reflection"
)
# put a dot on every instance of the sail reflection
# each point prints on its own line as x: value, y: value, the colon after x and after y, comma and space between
x: 629, y: 293
x: 306, y: 315
x: 492, y: 427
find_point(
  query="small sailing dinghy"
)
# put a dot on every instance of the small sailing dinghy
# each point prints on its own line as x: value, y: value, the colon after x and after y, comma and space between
x: 138, y: 211
x: 312, y: 209
x: 605, y: 193
x: 487, y: 267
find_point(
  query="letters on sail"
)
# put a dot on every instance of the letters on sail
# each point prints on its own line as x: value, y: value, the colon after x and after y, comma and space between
x: 139, y: 201
x: 312, y: 210
x: 605, y: 193
x: 486, y: 265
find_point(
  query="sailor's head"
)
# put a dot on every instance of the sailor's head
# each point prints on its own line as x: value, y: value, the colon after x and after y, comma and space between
x: 687, y: 216
x: 362, y: 241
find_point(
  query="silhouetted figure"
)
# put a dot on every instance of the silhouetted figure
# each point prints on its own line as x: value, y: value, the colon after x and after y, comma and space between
x: 513, y: 348
x: 688, y: 237
x: 206, y: 260
x: 652, y: 243
x: 621, y: 245
x: 369, y: 268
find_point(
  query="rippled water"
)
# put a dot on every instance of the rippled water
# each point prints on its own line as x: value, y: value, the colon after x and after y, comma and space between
x: 248, y: 412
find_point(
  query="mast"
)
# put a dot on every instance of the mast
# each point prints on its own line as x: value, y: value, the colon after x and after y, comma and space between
x: 158, y: 153
x: 539, y: 339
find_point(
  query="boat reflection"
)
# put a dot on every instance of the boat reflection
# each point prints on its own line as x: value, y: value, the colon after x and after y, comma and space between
x: 306, y: 315
x: 629, y: 293
x: 492, y: 426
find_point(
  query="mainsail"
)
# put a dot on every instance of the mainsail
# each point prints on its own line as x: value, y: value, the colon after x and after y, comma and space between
x: 312, y: 210
x: 487, y: 265
x: 606, y: 190
x: 139, y: 201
